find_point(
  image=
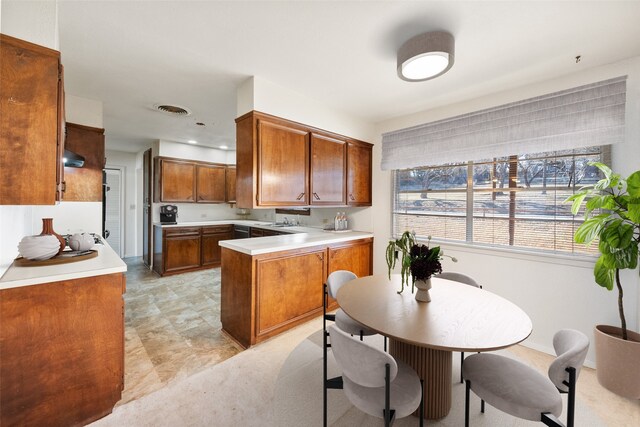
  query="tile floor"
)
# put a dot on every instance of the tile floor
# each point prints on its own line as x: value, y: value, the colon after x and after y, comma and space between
x: 172, y: 328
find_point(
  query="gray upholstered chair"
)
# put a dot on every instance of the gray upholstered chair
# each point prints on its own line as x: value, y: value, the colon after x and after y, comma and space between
x: 374, y: 381
x: 344, y: 322
x: 461, y: 278
x: 522, y: 391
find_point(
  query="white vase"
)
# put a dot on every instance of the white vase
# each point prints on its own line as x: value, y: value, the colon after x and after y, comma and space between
x: 423, y: 286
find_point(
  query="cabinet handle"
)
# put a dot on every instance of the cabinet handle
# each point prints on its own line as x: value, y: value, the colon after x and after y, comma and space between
x: 316, y: 196
x: 351, y: 197
x: 300, y: 196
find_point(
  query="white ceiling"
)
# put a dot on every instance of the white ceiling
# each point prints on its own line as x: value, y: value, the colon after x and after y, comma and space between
x: 131, y: 55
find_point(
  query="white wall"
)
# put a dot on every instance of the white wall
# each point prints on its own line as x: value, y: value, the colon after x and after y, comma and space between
x: 555, y: 292
x: 83, y: 111
x: 192, y: 152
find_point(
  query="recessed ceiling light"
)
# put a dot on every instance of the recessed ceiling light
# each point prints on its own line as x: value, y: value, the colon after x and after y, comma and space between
x: 191, y: 141
x: 223, y: 147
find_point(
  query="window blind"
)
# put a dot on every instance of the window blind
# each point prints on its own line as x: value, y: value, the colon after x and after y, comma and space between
x: 584, y: 116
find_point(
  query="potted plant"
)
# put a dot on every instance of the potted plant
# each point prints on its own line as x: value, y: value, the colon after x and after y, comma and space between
x: 617, y: 227
x: 418, y: 260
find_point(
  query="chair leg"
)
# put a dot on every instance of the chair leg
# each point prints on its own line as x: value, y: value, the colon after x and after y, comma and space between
x: 461, y: 363
x: 324, y: 379
x: 387, y: 395
x: 571, y: 404
x: 466, y: 404
x: 482, y: 405
x: 385, y: 344
x: 361, y: 335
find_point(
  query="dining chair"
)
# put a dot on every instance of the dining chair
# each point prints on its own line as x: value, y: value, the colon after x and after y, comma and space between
x: 343, y: 321
x: 461, y: 278
x: 374, y: 381
x: 519, y: 390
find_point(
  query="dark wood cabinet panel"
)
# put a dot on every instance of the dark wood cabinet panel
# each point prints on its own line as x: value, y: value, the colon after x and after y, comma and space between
x: 182, y: 253
x: 62, y: 347
x: 175, y: 180
x: 30, y: 124
x: 359, y: 158
x: 328, y: 170
x: 210, y: 187
x: 85, y: 184
x: 283, y: 171
x: 288, y: 287
x: 230, y: 184
x: 211, y: 251
x: 356, y: 257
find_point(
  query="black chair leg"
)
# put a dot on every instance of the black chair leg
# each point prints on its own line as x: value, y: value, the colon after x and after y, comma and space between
x: 466, y: 404
x: 387, y: 395
x: 571, y: 403
x: 385, y: 344
x: 421, y: 401
x: 461, y: 363
x: 482, y: 405
x: 361, y: 335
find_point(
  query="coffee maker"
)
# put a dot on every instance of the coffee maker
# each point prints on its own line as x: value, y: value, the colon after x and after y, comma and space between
x: 168, y: 214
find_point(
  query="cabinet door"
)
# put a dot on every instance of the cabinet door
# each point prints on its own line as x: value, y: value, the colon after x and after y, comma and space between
x: 230, y: 183
x: 182, y: 250
x: 283, y: 166
x: 210, y: 183
x: 177, y: 181
x: 85, y: 184
x: 354, y: 257
x: 211, y: 236
x: 29, y: 99
x: 257, y: 232
x: 328, y: 169
x: 288, y: 287
x: 359, y: 174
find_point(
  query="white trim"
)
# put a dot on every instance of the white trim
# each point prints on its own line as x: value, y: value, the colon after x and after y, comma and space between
x: 122, y: 170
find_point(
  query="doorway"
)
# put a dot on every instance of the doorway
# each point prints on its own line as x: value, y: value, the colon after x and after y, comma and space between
x: 112, y: 209
x: 146, y: 211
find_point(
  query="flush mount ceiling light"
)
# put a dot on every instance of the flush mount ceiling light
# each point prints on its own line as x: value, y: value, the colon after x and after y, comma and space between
x: 426, y: 56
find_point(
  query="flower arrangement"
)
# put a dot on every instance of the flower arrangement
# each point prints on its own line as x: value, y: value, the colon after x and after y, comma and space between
x: 418, y: 260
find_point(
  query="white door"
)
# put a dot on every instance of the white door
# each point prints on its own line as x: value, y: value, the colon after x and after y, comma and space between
x: 113, y: 210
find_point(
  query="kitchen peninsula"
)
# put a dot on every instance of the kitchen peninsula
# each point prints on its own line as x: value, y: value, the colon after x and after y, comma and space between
x: 62, y: 341
x: 272, y: 284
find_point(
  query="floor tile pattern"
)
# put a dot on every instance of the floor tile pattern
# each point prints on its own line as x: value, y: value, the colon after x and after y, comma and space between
x: 172, y: 327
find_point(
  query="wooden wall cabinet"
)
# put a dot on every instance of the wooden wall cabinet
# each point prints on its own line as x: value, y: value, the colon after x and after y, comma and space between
x: 186, y: 181
x: 181, y: 249
x: 85, y: 184
x: 230, y: 184
x: 281, y: 163
x: 359, y: 171
x: 31, y: 123
x: 62, y: 347
x: 264, y: 295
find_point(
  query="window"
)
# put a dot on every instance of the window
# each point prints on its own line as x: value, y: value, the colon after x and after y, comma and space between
x: 515, y: 201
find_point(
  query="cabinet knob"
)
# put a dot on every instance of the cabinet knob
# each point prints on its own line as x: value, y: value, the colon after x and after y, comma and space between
x: 316, y: 196
x: 300, y: 196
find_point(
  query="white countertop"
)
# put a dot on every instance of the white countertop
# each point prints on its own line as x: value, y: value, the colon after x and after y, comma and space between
x: 107, y: 262
x: 247, y: 222
x: 263, y: 245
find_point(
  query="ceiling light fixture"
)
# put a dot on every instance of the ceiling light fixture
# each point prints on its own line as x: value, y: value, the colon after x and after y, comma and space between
x: 191, y: 141
x: 426, y: 56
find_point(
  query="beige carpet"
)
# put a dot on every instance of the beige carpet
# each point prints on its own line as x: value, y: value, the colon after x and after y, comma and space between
x: 278, y: 383
x: 298, y: 398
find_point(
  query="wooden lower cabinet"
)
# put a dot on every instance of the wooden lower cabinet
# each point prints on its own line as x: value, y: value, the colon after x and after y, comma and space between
x: 62, y: 347
x: 211, y: 251
x: 181, y: 249
x: 264, y: 295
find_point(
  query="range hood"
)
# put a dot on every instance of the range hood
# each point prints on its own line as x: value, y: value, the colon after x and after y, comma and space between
x: 72, y: 160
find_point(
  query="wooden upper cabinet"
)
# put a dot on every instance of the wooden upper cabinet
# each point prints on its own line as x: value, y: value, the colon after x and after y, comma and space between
x: 281, y: 163
x: 230, y: 184
x: 85, y: 184
x: 175, y: 180
x: 210, y: 187
x: 30, y: 123
x: 283, y: 167
x: 359, y: 158
x: 328, y: 170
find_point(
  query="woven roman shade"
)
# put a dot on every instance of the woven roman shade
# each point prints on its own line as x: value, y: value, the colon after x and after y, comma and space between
x: 584, y: 116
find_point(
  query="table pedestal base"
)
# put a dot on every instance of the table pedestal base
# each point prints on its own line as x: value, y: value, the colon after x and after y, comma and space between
x: 434, y: 367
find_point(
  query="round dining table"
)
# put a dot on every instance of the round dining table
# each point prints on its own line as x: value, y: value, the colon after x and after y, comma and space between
x: 424, y: 334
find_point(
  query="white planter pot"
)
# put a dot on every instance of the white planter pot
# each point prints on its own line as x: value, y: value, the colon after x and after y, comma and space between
x: 423, y: 286
x: 618, y: 361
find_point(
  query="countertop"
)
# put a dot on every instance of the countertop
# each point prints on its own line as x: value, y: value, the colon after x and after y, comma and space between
x: 107, y: 262
x: 299, y: 237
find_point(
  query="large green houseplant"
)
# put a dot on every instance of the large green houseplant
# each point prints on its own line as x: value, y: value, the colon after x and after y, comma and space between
x: 612, y: 215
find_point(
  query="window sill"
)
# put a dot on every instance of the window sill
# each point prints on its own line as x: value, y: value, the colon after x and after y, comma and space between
x: 581, y: 261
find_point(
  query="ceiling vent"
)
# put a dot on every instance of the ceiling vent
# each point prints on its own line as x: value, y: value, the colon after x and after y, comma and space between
x: 173, y: 110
